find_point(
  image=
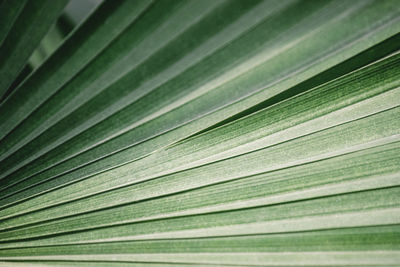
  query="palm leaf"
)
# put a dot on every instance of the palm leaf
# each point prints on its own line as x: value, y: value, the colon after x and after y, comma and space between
x: 190, y: 132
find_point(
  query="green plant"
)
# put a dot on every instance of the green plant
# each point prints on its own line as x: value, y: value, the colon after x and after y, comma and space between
x: 213, y: 132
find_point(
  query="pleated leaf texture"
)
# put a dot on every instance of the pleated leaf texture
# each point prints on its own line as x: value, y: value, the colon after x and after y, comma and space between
x: 202, y: 133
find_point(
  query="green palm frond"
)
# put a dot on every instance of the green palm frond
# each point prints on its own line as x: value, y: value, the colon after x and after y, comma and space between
x: 213, y: 132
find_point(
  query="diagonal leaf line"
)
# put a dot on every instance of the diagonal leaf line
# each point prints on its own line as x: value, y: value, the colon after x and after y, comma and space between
x: 382, y: 26
x: 215, y: 133
x: 84, y: 197
x: 223, y: 160
x: 183, y: 216
x: 106, y: 8
x: 360, y: 77
x: 196, y: 215
x: 348, y: 228
x: 173, y: 194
